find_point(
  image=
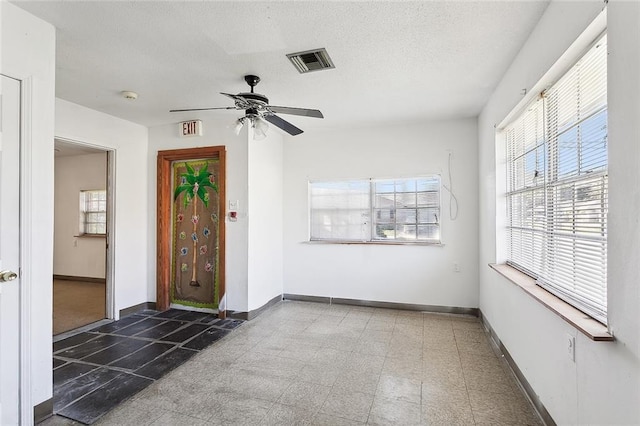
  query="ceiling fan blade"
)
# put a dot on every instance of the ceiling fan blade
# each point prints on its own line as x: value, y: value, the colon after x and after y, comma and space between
x: 282, y: 124
x: 297, y: 111
x: 232, y: 96
x: 199, y: 109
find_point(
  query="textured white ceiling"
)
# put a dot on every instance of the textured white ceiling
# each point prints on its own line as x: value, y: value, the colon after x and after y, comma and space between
x: 396, y: 61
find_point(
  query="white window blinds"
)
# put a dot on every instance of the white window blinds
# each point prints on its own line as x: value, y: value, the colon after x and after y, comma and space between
x: 340, y: 210
x: 557, y: 186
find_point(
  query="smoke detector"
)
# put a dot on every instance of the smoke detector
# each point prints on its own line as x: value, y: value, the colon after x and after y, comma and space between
x: 311, y: 60
x: 132, y: 96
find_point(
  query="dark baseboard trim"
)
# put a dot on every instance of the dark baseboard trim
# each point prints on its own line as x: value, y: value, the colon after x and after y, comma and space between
x: 387, y: 305
x: 524, y: 383
x: 137, y: 308
x: 84, y: 279
x: 303, y: 298
x: 43, y: 411
x: 247, y: 316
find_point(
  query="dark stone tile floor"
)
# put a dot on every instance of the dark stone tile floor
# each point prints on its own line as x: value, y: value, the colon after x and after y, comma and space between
x: 96, y: 370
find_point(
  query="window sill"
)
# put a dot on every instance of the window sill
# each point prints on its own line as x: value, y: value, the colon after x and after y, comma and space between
x: 381, y: 243
x: 581, y: 321
x: 91, y: 236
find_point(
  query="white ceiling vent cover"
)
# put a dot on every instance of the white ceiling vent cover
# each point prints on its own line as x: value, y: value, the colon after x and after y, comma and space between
x: 311, y: 60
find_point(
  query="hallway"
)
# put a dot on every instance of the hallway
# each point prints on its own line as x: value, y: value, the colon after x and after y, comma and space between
x: 76, y: 304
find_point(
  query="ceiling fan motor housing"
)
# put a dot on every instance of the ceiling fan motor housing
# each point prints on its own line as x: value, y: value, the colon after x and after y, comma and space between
x: 255, y: 97
x: 252, y: 80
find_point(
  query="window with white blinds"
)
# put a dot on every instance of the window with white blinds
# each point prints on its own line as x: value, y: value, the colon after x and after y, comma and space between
x: 340, y: 211
x: 93, y: 212
x: 376, y: 210
x: 557, y: 186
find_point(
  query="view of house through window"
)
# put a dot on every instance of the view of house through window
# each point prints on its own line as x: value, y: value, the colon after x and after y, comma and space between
x: 557, y: 194
x: 93, y: 212
x: 376, y: 210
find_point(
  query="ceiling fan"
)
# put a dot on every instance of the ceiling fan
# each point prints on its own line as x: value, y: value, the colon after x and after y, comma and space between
x: 257, y: 111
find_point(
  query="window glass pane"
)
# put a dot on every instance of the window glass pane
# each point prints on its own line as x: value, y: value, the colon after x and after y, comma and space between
x: 405, y: 232
x: 384, y: 187
x: 385, y: 200
x: 429, y: 232
x: 406, y: 186
x: 406, y: 199
x: 428, y: 184
x: 428, y: 199
x: 568, y: 153
x: 385, y: 230
x: 428, y: 215
x: 406, y: 216
x: 593, y: 155
x: 385, y: 215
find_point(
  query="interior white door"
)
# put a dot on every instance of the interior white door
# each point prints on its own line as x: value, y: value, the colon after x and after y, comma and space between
x: 9, y: 250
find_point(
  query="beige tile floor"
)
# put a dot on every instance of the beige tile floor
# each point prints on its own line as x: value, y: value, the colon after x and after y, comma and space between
x: 305, y: 363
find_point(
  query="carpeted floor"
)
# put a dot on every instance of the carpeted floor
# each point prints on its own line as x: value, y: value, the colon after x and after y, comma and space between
x: 77, y: 303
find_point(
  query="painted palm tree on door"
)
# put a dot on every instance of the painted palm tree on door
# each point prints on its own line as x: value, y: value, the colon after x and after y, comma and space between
x: 195, y: 233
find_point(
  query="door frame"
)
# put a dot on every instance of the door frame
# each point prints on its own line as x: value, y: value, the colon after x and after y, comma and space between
x: 26, y: 217
x: 163, y: 225
x: 25, y: 141
x: 110, y: 308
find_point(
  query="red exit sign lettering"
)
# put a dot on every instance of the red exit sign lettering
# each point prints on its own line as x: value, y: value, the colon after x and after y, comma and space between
x: 191, y: 128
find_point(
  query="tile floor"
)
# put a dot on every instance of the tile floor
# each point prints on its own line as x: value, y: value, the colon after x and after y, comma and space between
x: 94, y: 371
x: 315, y: 364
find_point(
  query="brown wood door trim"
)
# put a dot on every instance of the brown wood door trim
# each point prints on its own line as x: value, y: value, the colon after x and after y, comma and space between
x: 163, y: 226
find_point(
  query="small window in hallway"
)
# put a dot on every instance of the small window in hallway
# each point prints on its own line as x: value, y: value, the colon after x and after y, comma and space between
x: 93, y: 212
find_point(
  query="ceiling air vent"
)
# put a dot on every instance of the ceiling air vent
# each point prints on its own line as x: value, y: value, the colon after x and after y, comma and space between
x: 311, y: 60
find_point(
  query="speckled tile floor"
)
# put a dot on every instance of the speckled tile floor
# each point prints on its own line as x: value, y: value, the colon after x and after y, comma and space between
x: 303, y: 363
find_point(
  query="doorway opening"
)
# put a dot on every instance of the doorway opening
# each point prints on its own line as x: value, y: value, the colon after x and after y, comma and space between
x: 82, y: 287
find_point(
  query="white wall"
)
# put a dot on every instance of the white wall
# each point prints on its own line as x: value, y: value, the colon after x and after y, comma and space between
x: 74, y: 256
x: 129, y: 142
x: 603, y: 385
x: 265, y: 279
x: 397, y: 273
x: 216, y: 132
x: 28, y: 53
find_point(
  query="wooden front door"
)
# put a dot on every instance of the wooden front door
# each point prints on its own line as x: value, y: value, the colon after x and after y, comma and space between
x: 191, y: 228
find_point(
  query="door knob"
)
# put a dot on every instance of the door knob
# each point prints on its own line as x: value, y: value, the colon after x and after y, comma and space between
x: 7, y: 276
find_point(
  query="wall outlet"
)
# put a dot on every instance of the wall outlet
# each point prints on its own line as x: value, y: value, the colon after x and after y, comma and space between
x: 571, y: 347
x: 456, y: 267
x: 233, y: 205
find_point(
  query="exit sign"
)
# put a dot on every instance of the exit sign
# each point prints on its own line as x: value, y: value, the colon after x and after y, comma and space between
x: 191, y: 128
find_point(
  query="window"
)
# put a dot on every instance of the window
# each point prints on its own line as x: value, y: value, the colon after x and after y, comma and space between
x: 557, y: 186
x: 93, y: 212
x: 376, y: 210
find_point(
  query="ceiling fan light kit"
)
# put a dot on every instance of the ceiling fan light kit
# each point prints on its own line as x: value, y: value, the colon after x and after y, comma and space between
x: 258, y: 111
